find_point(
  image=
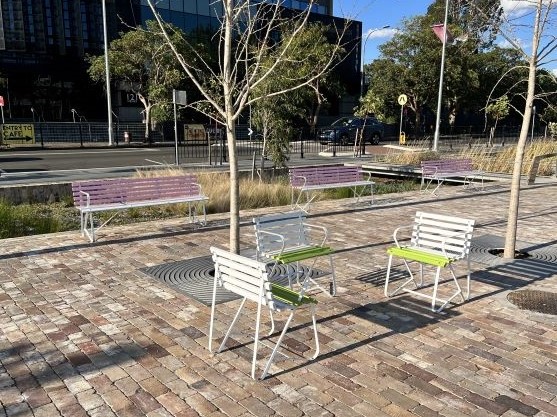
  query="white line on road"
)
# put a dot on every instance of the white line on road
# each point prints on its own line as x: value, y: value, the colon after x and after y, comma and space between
x: 84, y: 152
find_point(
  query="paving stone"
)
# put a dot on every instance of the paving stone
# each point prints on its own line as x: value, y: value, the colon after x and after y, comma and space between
x: 88, y: 334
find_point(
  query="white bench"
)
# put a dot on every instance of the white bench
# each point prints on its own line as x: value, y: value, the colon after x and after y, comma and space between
x: 286, y: 238
x: 442, y: 169
x: 116, y: 194
x: 306, y: 180
x: 249, y: 279
x: 439, y: 241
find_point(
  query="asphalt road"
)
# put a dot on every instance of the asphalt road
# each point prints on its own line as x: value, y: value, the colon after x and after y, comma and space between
x: 21, y: 166
x: 40, y: 165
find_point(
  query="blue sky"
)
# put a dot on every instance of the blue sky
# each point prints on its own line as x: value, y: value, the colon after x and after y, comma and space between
x: 376, y: 14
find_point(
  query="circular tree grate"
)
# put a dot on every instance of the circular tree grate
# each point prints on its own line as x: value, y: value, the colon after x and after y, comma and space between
x: 539, y: 301
x: 194, y: 277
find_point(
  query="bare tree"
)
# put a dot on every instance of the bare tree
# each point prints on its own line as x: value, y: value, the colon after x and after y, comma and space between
x: 539, y: 53
x: 248, y: 31
x: 543, y: 47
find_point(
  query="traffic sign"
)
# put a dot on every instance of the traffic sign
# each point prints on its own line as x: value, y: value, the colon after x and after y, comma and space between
x: 402, y: 99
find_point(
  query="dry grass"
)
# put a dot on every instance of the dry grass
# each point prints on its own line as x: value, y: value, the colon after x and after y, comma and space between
x: 487, y: 159
x: 253, y: 193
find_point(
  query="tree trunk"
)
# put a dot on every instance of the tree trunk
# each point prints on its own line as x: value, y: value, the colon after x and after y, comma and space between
x: 510, y: 238
x: 228, y: 91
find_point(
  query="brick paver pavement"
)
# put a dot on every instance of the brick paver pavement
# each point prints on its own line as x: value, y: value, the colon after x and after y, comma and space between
x: 83, y: 332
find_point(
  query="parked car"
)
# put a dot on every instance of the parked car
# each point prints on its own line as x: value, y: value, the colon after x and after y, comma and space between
x: 343, y: 131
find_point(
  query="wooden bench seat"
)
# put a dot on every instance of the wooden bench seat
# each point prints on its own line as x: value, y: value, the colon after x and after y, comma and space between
x: 93, y: 196
x: 440, y: 170
x: 305, y: 180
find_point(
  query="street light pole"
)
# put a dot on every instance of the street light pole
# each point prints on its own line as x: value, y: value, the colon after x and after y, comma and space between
x: 442, y: 70
x: 364, y: 56
x: 107, y: 73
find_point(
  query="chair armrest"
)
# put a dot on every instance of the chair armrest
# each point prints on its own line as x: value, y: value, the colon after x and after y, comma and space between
x: 281, y: 237
x: 444, y: 241
x: 321, y: 228
x: 395, y: 233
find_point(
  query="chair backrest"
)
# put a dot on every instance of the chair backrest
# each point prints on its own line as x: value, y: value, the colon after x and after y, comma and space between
x: 435, y: 232
x: 446, y: 166
x: 123, y: 190
x: 323, y: 175
x: 289, y: 225
x: 243, y: 276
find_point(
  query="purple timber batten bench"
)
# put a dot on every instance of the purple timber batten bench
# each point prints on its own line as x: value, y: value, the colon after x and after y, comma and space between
x: 116, y: 194
x: 442, y: 169
x: 309, y: 179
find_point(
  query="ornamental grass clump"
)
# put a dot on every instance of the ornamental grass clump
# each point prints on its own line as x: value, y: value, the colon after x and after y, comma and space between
x: 28, y: 220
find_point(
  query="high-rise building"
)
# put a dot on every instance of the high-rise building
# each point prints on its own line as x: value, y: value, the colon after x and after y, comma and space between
x: 44, y: 45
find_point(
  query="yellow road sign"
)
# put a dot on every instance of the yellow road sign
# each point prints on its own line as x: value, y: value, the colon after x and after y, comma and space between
x: 18, y: 133
x: 402, y: 99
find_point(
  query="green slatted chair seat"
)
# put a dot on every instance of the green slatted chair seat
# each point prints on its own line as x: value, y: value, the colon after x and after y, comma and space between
x: 420, y: 256
x: 302, y: 254
x: 287, y: 296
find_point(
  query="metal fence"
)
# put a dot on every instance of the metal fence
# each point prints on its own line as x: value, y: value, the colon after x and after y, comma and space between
x: 212, y: 144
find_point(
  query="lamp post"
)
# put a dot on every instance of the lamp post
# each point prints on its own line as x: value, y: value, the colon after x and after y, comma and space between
x: 107, y: 73
x: 442, y: 70
x: 33, y: 113
x: 364, y: 54
x: 73, y: 115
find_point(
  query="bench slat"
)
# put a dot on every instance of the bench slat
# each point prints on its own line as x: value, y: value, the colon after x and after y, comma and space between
x: 114, y: 194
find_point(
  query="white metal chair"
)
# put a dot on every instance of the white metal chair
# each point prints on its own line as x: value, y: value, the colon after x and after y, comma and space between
x: 439, y: 241
x: 249, y: 279
x: 288, y: 239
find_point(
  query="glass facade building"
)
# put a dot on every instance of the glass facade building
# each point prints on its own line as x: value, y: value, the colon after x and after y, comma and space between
x: 44, y: 45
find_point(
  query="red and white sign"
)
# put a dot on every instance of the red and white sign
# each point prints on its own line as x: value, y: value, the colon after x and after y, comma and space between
x: 1, y: 101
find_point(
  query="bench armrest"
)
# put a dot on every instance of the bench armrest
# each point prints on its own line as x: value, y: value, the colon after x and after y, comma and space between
x: 87, y: 198
x: 366, y: 173
x: 199, y: 189
x: 321, y: 228
x: 303, y: 177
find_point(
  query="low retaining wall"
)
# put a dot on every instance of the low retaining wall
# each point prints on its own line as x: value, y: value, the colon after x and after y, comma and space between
x: 35, y: 193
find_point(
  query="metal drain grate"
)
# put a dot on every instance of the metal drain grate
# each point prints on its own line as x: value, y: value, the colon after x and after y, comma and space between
x: 194, y: 278
x: 479, y: 250
x: 539, y: 301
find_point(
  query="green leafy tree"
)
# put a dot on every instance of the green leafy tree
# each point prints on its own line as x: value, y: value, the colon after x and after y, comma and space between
x: 410, y: 63
x: 273, y: 115
x: 141, y: 62
x: 496, y: 111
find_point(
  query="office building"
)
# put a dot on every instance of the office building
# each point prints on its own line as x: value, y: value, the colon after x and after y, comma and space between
x: 44, y: 45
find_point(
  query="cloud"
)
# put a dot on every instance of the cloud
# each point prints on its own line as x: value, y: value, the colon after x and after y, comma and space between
x: 518, y: 8
x: 380, y: 33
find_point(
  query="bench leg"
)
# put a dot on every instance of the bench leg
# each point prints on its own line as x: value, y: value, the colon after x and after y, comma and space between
x: 87, y: 226
x: 428, y: 183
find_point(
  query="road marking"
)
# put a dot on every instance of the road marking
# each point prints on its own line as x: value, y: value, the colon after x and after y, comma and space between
x: 155, y: 162
x: 84, y: 152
